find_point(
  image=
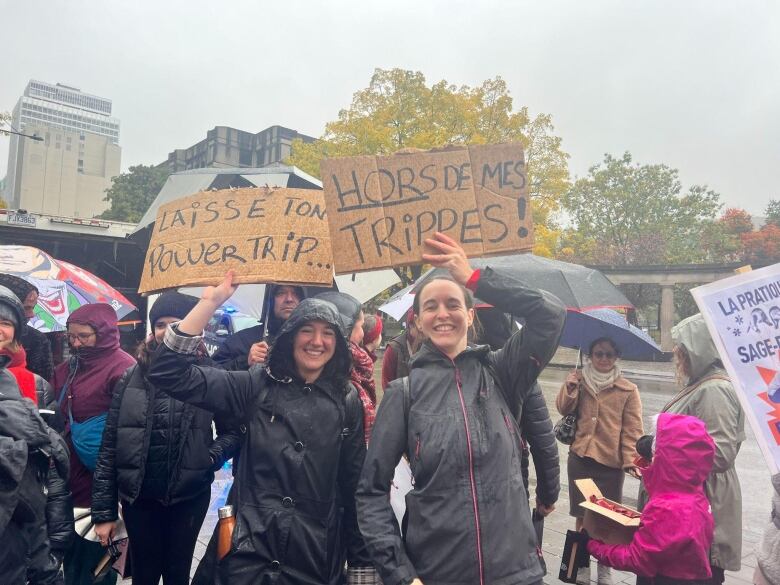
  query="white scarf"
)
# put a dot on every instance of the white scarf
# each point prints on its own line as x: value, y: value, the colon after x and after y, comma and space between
x: 598, y: 381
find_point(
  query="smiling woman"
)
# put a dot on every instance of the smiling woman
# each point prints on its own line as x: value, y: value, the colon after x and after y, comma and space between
x: 302, y: 446
x: 458, y: 415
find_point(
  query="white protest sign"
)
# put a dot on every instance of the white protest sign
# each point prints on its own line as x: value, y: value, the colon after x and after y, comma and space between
x: 743, y: 316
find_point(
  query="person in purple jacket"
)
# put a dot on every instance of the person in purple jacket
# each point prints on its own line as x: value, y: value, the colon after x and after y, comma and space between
x: 83, y: 386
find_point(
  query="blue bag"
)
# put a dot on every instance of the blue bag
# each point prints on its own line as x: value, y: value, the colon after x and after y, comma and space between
x: 86, y: 436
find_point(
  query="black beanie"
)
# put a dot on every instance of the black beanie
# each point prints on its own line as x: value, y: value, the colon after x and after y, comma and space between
x: 11, y: 309
x: 171, y: 304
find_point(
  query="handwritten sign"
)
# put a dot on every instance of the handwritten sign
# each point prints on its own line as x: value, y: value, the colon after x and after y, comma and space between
x: 381, y: 209
x: 743, y: 316
x: 264, y: 234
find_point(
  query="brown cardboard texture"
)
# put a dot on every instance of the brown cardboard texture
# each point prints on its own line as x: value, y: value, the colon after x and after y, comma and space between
x: 601, y: 523
x: 263, y: 234
x: 382, y: 209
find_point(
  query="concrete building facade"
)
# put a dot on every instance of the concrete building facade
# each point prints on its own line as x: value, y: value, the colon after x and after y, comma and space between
x: 226, y: 147
x: 68, y: 171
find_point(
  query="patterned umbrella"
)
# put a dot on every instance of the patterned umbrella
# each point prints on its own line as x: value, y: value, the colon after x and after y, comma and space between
x: 63, y: 287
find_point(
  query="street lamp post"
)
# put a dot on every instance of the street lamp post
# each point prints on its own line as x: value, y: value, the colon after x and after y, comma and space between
x: 32, y: 136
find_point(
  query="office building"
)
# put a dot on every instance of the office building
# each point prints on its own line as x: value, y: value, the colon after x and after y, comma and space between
x: 67, y: 172
x: 226, y: 147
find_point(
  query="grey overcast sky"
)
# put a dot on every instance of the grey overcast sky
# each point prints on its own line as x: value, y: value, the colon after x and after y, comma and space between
x: 692, y: 84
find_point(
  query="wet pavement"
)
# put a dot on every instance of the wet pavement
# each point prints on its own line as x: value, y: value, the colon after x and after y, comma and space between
x: 656, y: 384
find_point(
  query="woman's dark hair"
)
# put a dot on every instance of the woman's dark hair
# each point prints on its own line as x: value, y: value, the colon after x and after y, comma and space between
x: 608, y: 340
x: 336, y: 369
x: 468, y: 297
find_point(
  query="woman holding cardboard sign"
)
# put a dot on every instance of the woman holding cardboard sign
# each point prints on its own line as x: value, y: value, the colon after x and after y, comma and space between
x: 456, y: 417
x: 293, y: 494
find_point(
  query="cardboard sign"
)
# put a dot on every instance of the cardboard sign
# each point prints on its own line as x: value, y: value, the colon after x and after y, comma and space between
x: 264, y: 234
x: 742, y: 314
x: 381, y: 209
x: 603, y: 523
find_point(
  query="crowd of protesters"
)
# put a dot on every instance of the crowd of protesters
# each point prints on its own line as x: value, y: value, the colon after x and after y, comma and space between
x: 109, y: 445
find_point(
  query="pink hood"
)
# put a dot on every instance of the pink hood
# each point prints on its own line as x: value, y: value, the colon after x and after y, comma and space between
x: 684, y: 454
x: 676, y: 529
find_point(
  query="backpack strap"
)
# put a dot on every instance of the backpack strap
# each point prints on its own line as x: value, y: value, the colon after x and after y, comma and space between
x: 407, y: 398
x: 692, y: 388
x: 407, y: 395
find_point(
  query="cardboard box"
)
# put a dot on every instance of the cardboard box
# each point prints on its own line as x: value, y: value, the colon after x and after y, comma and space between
x: 602, y: 523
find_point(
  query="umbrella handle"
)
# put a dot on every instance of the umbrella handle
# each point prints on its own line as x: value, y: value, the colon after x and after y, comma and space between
x: 266, y: 310
x: 578, y: 363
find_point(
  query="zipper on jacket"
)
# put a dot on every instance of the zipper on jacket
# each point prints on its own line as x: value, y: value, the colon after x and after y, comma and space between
x: 471, y: 473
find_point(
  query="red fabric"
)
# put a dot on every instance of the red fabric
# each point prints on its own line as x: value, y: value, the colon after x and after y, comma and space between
x: 389, y: 366
x: 474, y: 280
x: 677, y: 528
x: 604, y: 503
x: 362, y: 376
x: 375, y: 332
x: 24, y: 377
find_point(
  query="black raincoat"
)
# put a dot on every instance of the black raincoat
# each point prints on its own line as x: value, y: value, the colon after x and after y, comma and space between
x: 467, y: 517
x: 300, y: 460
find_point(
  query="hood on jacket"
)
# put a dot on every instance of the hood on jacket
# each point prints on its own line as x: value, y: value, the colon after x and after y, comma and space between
x: 693, y: 335
x: 349, y: 309
x: 280, y: 360
x: 684, y: 454
x: 274, y: 323
x: 102, y: 318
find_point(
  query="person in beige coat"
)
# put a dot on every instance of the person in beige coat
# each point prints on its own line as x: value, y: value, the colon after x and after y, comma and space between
x: 709, y: 395
x: 609, y: 423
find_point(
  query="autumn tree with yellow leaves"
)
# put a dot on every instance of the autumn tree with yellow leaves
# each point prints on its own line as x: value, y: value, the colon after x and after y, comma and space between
x: 400, y: 110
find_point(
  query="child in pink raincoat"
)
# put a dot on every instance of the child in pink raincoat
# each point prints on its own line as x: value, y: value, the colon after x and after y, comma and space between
x: 673, y: 540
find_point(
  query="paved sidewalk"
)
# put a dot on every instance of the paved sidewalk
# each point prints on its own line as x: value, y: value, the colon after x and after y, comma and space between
x: 656, y: 383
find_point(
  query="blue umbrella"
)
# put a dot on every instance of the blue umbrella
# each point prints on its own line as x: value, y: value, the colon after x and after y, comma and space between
x: 583, y: 327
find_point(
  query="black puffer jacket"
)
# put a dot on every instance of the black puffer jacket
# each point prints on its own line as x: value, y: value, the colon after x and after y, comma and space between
x: 468, y: 520
x: 155, y: 448
x: 537, y: 430
x: 27, y: 447
x: 39, y: 358
x: 300, y: 460
x: 59, y: 504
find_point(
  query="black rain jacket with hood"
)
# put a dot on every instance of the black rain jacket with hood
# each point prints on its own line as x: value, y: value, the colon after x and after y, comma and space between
x: 301, y: 457
x: 467, y: 516
x: 30, y: 452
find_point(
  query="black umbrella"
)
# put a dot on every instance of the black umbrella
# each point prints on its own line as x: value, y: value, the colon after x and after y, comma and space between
x: 577, y: 286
